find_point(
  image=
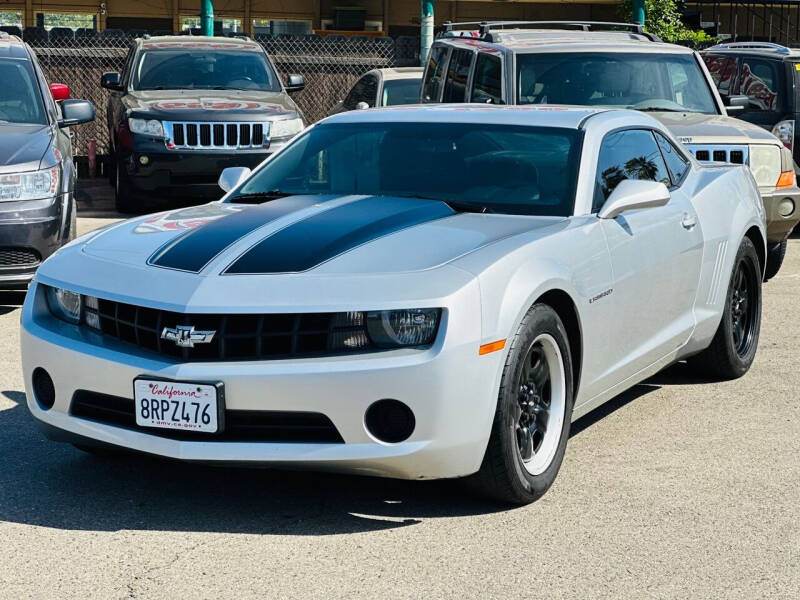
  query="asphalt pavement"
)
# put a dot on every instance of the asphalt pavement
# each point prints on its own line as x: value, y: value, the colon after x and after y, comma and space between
x: 679, y: 488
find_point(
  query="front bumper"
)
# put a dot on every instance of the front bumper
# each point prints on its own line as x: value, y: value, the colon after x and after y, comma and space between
x: 450, y: 389
x: 33, y: 227
x: 778, y: 226
x: 190, y: 174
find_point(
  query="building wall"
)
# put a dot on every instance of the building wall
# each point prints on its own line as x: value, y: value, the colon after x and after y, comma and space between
x: 400, y: 16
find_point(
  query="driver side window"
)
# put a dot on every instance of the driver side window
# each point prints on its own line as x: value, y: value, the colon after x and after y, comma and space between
x: 629, y: 154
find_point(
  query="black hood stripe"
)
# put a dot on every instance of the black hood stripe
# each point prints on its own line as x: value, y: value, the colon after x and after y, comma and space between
x: 306, y: 244
x: 194, y: 250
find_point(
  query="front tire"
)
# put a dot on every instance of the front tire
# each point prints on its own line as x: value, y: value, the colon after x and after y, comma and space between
x: 531, y: 424
x: 775, y: 256
x: 733, y: 348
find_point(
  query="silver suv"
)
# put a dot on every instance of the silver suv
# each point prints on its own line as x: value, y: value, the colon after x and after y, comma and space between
x: 619, y: 65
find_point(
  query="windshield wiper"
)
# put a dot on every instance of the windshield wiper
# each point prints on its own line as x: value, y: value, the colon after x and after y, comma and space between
x: 662, y: 109
x: 465, y: 207
x: 268, y: 195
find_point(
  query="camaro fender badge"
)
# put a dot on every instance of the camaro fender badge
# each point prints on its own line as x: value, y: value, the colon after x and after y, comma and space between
x: 599, y: 296
x: 685, y: 139
x: 185, y: 336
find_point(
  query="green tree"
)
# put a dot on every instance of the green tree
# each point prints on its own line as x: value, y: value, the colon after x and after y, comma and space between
x: 663, y: 18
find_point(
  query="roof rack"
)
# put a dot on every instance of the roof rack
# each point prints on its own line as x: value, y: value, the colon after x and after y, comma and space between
x: 769, y: 46
x: 485, y: 27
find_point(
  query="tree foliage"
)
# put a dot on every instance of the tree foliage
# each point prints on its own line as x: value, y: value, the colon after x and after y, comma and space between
x: 663, y: 18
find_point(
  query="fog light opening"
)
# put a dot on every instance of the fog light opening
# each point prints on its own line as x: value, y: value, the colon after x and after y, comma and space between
x: 144, y: 160
x: 786, y: 207
x: 390, y: 421
x: 44, y: 390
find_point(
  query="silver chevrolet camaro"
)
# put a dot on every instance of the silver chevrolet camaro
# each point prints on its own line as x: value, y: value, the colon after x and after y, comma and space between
x: 412, y: 292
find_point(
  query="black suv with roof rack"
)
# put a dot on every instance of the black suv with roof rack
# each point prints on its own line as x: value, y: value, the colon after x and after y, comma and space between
x: 187, y: 107
x: 769, y: 76
x: 615, y: 65
x: 37, y: 175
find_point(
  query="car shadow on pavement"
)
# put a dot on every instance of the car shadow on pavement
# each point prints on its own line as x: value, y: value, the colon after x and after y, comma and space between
x: 48, y: 484
x: 11, y: 300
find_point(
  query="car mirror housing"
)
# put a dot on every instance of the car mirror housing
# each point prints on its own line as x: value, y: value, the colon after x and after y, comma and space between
x: 737, y: 103
x: 295, y: 83
x: 75, y: 112
x: 111, y: 81
x: 634, y: 194
x: 362, y: 105
x: 232, y: 176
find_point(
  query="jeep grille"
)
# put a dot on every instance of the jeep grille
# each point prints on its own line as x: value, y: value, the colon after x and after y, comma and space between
x: 216, y: 136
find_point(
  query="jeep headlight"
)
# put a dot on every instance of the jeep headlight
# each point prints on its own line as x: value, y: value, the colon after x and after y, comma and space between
x: 765, y: 163
x: 407, y: 327
x: 285, y: 128
x: 149, y: 127
x: 34, y: 185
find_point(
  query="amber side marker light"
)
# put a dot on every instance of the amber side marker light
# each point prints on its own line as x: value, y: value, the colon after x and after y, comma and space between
x: 493, y: 347
x: 786, y: 179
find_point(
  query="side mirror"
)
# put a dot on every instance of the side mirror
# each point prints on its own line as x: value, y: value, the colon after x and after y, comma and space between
x: 232, y: 176
x: 633, y: 194
x: 737, y: 103
x: 295, y: 83
x: 75, y: 112
x: 111, y: 81
x: 362, y: 105
x: 60, y: 91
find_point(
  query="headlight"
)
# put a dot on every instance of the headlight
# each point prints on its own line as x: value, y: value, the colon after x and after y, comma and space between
x: 285, y: 128
x: 765, y: 163
x: 408, y: 327
x: 149, y: 127
x: 35, y: 185
x: 64, y: 304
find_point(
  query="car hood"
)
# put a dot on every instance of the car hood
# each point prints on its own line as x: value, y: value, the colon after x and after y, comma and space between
x: 22, y: 147
x: 696, y: 128
x: 298, y: 249
x: 208, y: 105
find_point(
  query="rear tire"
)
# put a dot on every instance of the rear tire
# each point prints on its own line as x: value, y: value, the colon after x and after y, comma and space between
x: 775, y: 256
x: 733, y: 348
x: 531, y: 424
x: 123, y: 200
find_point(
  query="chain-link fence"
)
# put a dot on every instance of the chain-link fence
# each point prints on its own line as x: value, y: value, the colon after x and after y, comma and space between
x: 330, y: 66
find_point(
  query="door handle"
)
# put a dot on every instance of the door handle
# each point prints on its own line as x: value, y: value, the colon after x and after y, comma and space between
x: 688, y: 221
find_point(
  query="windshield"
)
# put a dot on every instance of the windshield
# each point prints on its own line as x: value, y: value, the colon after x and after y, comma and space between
x: 666, y: 82
x: 400, y: 91
x: 491, y: 168
x: 213, y: 70
x: 20, y: 99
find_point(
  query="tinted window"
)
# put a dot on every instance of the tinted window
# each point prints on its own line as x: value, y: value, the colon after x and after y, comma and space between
x: 723, y: 72
x: 631, y: 154
x: 676, y: 163
x: 667, y: 82
x: 488, y: 80
x: 204, y: 69
x: 20, y: 98
x: 509, y: 169
x: 365, y: 90
x: 455, y: 86
x: 759, y: 81
x: 432, y: 85
x: 400, y: 91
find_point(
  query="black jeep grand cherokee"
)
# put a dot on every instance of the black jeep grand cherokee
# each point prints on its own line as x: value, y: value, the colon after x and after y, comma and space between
x: 185, y: 108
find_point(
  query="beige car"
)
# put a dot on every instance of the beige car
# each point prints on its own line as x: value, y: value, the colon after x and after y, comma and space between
x: 621, y: 66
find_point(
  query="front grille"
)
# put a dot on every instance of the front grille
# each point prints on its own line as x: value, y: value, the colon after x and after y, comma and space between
x: 737, y: 155
x: 240, y: 425
x: 236, y: 337
x: 19, y: 257
x: 216, y: 136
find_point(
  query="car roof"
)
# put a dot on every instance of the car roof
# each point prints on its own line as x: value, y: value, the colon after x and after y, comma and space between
x: 577, y: 41
x: 199, y: 42
x: 12, y: 47
x: 549, y: 115
x: 392, y: 73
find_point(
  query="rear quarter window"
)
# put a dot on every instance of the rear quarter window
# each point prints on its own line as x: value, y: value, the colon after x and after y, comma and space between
x: 434, y: 74
x: 487, y: 83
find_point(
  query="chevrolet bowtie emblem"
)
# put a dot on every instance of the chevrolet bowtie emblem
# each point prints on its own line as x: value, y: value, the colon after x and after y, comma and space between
x: 185, y: 336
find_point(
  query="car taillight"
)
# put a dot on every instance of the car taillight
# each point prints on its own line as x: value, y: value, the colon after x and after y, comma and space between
x: 784, y: 131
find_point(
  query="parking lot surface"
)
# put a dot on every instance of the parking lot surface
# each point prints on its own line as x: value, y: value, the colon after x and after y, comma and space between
x: 678, y: 488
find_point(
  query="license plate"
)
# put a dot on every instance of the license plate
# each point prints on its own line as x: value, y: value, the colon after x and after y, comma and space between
x: 177, y: 405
